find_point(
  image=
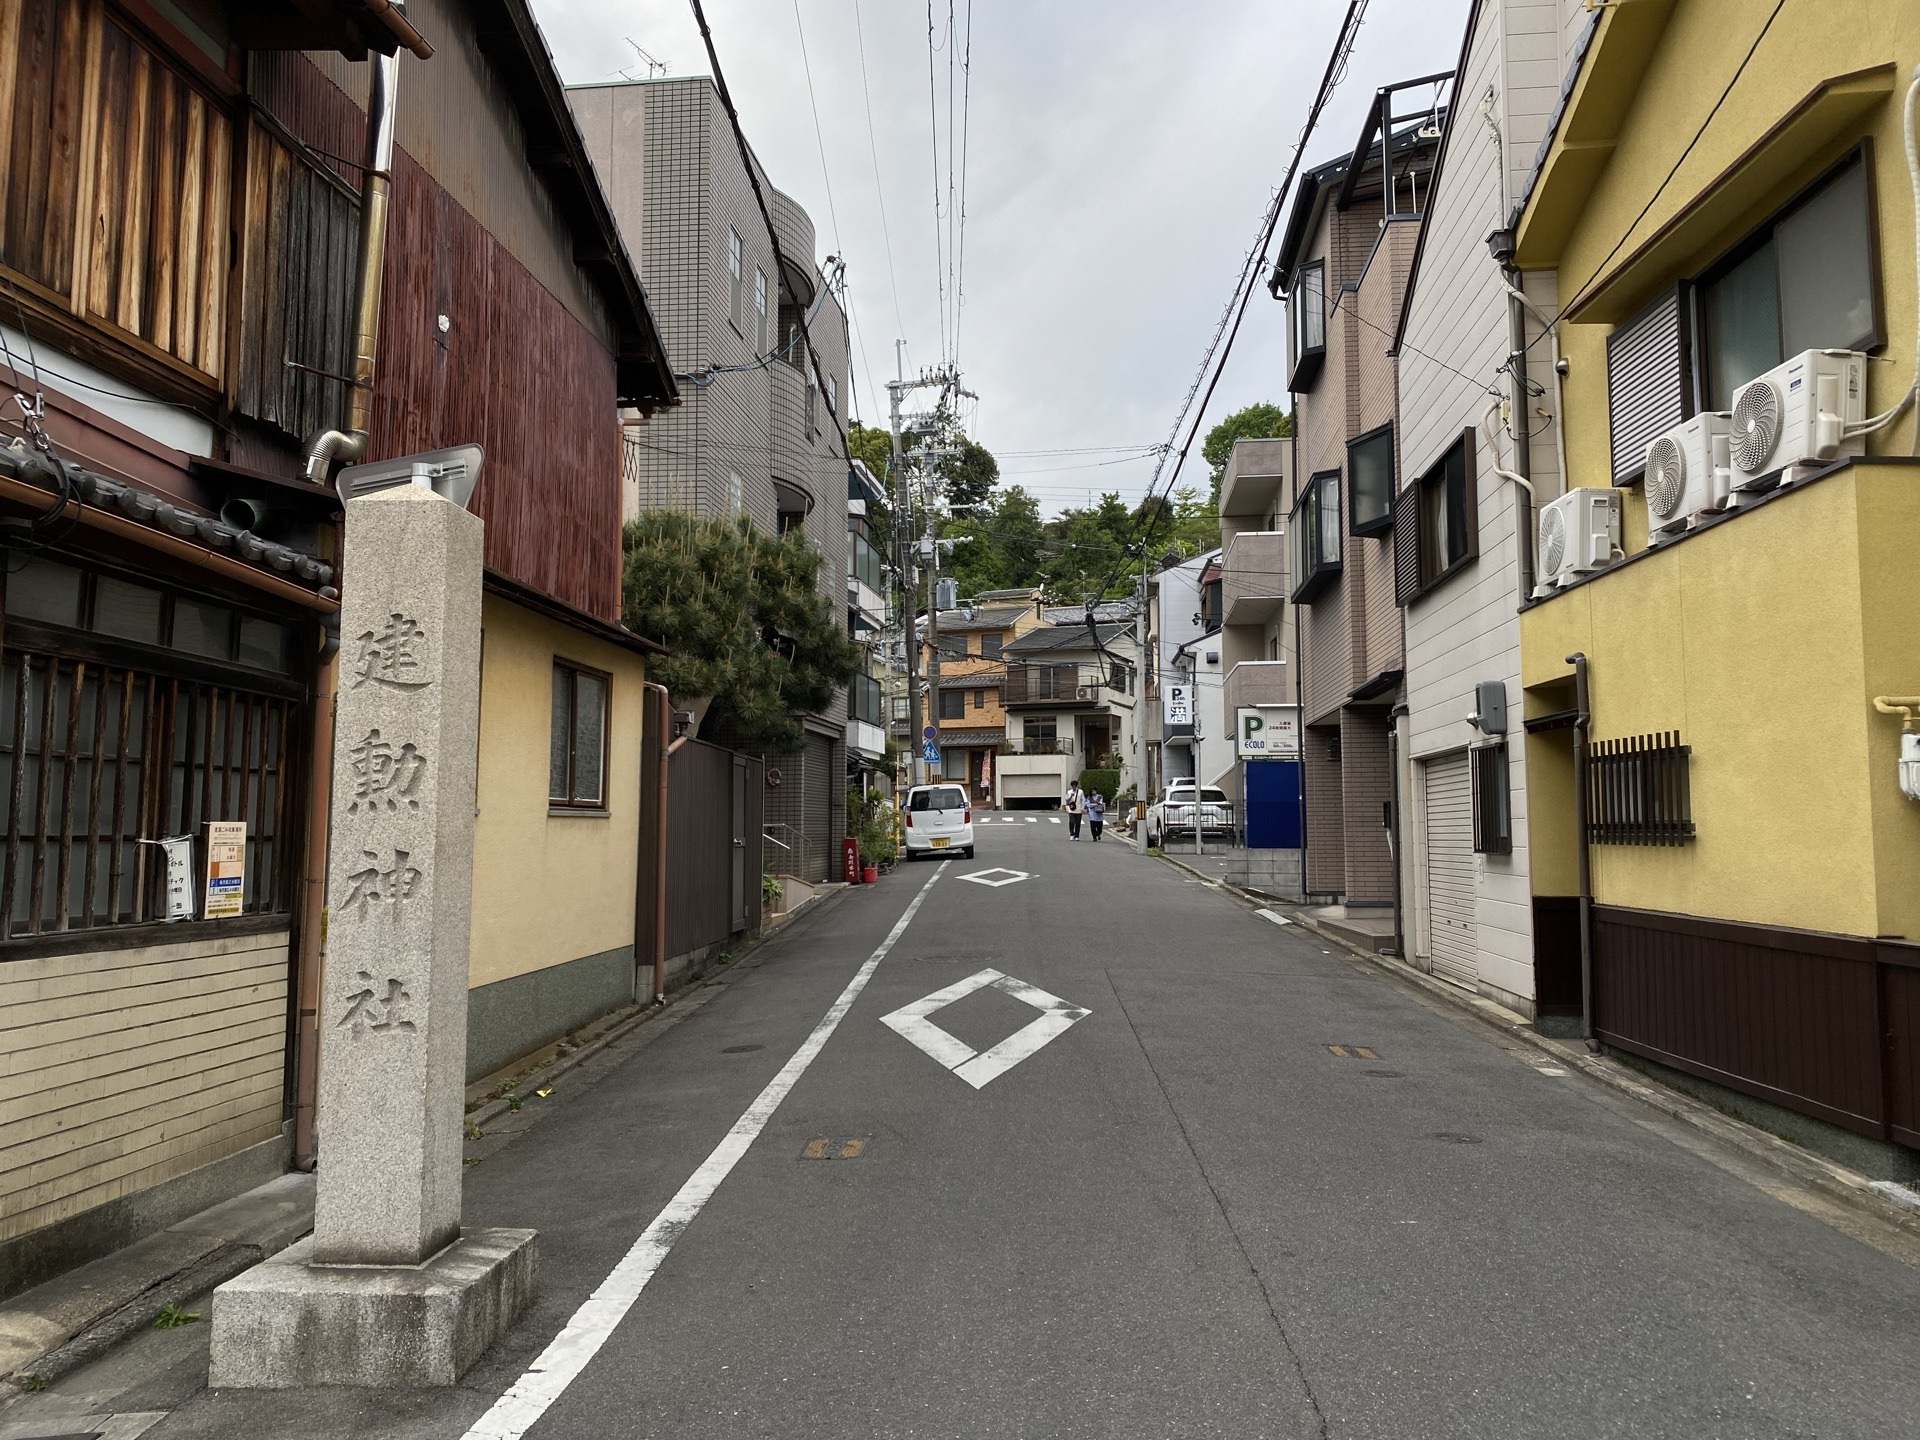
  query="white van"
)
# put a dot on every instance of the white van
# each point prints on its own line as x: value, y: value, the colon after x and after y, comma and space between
x: 939, y: 821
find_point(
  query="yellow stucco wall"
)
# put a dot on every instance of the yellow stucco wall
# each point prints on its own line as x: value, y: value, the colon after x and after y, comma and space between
x: 548, y: 888
x: 1697, y: 54
x: 1762, y: 640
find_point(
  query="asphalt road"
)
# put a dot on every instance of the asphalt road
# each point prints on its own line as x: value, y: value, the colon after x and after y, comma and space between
x: 1184, y: 1216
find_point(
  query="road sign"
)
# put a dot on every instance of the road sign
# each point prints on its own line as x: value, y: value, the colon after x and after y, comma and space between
x: 930, y: 753
x: 928, y: 733
x: 1056, y: 1017
x: 1266, y: 732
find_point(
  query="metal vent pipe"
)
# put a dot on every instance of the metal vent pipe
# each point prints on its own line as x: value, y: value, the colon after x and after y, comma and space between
x: 350, y: 442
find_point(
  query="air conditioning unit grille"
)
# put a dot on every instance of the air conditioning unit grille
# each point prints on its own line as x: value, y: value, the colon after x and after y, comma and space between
x: 1756, y: 425
x: 1666, y: 477
x: 1553, y: 542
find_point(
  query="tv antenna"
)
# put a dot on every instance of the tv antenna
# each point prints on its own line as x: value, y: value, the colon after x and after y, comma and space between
x: 655, y: 68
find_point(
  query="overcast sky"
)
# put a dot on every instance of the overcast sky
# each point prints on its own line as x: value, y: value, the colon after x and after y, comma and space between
x: 1120, y: 154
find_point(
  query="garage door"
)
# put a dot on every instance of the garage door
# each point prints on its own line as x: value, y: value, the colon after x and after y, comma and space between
x: 820, y: 800
x: 1452, y: 941
x: 1030, y: 787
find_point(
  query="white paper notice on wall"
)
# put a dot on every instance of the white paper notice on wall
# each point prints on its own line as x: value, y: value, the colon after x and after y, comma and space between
x: 179, y: 852
x: 226, y: 868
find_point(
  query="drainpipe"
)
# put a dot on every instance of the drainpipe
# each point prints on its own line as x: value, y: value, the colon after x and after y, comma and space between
x: 1522, y: 438
x: 667, y: 747
x: 313, y: 904
x: 1582, y: 717
x: 322, y: 450
x: 1395, y: 818
x: 350, y: 444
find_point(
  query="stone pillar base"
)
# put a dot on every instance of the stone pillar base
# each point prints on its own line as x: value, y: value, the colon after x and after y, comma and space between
x: 287, y: 1323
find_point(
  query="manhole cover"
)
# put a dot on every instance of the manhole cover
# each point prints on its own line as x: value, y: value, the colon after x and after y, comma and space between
x: 1453, y: 1137
x: 1387, y: 1074
x: 741, y: 1049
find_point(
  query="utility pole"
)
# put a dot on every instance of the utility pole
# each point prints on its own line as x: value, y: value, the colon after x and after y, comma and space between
x: 929, y: 552
x: 903, y: 545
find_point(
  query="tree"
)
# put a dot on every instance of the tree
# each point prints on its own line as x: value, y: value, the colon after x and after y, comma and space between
x: 969, y: 477
x: 873, y: 447
x: 743, y: 620
x: 998, y: 545
x: 1088, y: 554
x: 1257, y: 422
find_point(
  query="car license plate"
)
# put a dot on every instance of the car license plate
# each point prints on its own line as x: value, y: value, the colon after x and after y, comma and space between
x: 939, y: 842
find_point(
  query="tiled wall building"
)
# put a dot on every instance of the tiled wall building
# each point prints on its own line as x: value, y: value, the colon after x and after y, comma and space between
x: 758, y: 430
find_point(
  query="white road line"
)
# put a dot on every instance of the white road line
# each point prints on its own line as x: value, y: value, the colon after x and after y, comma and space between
x: 1277, y: 919
x: 529, y: 1397
x: 1054, y: 819
x: 1032, y: 821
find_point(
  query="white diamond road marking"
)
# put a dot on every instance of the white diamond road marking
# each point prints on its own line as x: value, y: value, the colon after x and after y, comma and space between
x: 1057, y: 1016
x: 1013, y: 877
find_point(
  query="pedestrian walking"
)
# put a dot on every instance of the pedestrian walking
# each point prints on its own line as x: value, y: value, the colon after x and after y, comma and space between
x: 1096, y: 814
x: 1076, y: 805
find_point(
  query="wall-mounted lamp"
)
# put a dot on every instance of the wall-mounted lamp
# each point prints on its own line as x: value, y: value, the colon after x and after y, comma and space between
x: 682, y: 723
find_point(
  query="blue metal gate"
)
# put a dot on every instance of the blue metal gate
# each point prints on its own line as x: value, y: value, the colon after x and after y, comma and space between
x: 1273, y: 804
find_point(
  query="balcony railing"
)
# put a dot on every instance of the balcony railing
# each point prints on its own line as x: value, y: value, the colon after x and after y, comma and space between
x: 1253, y: 576
x: 1037, y: 745
x: 1061, y: 684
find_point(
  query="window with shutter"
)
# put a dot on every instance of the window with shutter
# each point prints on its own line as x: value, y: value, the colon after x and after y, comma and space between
x: 1406, y: 545
x: 1649, y: 382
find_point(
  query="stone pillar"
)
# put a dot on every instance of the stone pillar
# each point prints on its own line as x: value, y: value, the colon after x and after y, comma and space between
x: 390, y: 1290
x: 393, y: 1018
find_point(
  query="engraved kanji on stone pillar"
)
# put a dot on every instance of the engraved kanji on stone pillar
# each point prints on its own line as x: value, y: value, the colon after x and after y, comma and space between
x: 393, y: 1026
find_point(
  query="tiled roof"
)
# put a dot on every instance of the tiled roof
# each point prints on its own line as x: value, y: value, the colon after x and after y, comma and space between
x: 1106, y: 610
x: 969, y: 739
x: 1064, y: 637
x: 994, y: 618
x: 973, y: 680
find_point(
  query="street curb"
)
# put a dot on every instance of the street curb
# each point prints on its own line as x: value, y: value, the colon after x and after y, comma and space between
x: 137, y: 1314
x: 679, y: 1005
x: 1833, y: 1180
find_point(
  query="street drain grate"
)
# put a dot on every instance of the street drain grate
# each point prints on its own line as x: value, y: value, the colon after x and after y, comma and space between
x: 1353, y: 1052
x: 1454, y: 1137
x: 742, y: 1049
x: 1387, y: 1074
x: 823, y: 1147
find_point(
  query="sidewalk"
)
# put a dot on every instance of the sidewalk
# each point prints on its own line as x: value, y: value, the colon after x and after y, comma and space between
x: 1885, y: 1203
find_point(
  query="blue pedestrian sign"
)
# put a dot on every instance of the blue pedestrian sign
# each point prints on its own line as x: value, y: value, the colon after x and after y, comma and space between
x: 930, y: 753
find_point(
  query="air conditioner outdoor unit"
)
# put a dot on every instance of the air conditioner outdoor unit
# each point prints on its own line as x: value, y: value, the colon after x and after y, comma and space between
x: 1579, y: 533
x: 1086, y: 692
x: 1687, y: 474
x: 1797, y: 413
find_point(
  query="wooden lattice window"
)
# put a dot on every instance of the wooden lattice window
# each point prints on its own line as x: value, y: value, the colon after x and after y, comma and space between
x: 1637, y: 791
x: 95, y: 758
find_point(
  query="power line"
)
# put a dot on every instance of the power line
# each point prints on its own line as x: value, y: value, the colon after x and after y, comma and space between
x: 879, y: 191
x: 933, y: 132
x: 1237, y: 306
x: 960, y: 244
x: 819, y: 138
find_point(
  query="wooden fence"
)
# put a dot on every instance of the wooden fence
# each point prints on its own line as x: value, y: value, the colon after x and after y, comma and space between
x: 1827, y: 1025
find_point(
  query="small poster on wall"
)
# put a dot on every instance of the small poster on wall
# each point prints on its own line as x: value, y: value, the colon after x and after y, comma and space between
x: 226, y: 869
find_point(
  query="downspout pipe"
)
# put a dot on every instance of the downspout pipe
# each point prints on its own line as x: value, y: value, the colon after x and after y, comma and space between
x: 1582, y: 718
x: 313, y: 903
x: 349, y: 443
x: 1395, y: 818
x: 1521, y: 431
x: 659, y: 876
x: 322, y: 451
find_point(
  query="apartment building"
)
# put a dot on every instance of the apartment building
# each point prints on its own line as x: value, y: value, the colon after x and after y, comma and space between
x: 1479, y: 420
x: 1718, y: 691
x: 759, y: 432
x: 1188, y: 660
x: 1346, y: 252
x: 867, y: 622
